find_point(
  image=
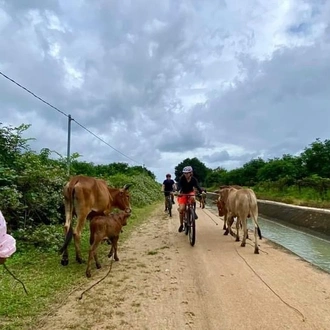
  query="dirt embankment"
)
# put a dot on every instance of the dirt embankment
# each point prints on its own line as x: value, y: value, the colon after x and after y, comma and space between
x: 161, y: 282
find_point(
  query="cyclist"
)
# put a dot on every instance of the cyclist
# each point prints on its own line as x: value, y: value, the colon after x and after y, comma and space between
x: 186, y: 185
x: 168, y: 187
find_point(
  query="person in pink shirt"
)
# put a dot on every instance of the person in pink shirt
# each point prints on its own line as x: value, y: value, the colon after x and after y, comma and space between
x: 7, y: 242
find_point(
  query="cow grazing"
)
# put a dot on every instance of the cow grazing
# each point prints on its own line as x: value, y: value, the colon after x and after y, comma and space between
x: 86, y: 197
x: 105, y: 227
x: 241, y: 203
x: 222, y: 210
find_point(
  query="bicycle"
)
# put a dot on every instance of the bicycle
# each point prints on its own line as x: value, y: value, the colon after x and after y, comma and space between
x: 189, y: 219
x: 169, y: 202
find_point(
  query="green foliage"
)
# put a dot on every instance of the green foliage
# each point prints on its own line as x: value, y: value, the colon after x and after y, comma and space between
x: 46, y: 238
x: 307, y: 174
x: 316, y: 158
x: 215, y: 177
x: 200, y: 170
x: 31, y: 186
x: 144, y: 190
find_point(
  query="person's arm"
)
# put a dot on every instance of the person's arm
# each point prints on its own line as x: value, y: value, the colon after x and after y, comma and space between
x: 196, y: 184
x: 174, y: 186
x: 179, y: 185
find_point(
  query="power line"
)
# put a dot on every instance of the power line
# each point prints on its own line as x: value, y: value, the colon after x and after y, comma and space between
x: 36, y: 96
x: 85, y: 128
x: 66, y: 115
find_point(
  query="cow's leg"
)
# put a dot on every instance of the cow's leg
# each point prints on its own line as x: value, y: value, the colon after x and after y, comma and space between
x: 92, y: 253
x: 237, y: 229
x: 111, y: 250
x: 115, y: 241
x: 225, y: 224
x: 97, y: 263
x: 244, y: 226
x: 65, y: 254
x: 67, y: 228
x: 77, y: 235
x: 230, y: 221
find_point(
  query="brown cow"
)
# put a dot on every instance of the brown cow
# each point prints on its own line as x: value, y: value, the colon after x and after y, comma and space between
x: 242, y: 203
x: 86, y: 197
x: 105, y: 227
x: 221, y: 205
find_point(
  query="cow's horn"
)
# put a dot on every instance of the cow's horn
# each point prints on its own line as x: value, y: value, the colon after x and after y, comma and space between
x: 127, y: 186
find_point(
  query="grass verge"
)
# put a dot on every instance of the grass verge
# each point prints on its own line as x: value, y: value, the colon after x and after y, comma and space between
x: 47, y: 282
x: 292, y: 196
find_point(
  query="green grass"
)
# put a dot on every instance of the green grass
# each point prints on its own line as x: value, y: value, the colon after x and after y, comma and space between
x: 45, y: 279
x: 292, y: 195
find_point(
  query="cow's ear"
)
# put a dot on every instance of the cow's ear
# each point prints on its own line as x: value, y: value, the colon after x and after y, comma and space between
x: 126, y: 187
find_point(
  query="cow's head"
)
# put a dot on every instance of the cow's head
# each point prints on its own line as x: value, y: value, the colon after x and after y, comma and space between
x: 123, y: 217
x: 121, y: 198
x: 221, y: 207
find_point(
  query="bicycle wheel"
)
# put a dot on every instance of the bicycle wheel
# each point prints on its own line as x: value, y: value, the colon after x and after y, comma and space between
x: 192, y: 228
x: 169, y: 206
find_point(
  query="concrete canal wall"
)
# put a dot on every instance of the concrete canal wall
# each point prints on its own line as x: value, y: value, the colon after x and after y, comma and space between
x: 307, y: 217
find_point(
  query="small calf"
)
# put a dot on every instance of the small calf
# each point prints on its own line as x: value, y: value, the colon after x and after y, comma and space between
x: 105, y: 227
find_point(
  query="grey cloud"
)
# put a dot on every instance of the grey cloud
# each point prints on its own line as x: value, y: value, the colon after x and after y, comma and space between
x: 224, y: 158
x: 287, y: 94
x: 162, y: 77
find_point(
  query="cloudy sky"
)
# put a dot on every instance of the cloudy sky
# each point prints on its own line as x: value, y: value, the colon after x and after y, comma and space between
x: 163, y: 80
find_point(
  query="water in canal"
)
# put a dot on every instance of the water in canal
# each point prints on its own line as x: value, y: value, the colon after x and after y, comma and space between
x: 307, y: 244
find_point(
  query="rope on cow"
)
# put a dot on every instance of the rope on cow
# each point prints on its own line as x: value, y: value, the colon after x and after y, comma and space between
x: 17, y: 279
x: 210, y: 217
x: 276, y: 294
x: 53, y: 310
x: 100, y: 280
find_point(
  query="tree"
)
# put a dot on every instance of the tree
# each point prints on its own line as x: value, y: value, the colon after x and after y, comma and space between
x: 316, y: 158
x: 279, y: 168
x: 200, y: 170
x: 250, y: 170
x: 215, y: 178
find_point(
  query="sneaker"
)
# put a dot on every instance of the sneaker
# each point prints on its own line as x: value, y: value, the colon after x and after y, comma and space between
x: 173, y: 202
x: 180, y: 229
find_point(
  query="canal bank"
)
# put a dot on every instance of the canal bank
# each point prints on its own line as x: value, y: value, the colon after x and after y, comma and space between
x: 307, y: 217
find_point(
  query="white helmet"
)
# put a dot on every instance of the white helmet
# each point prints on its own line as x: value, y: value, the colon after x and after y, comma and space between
x: 187, y: 169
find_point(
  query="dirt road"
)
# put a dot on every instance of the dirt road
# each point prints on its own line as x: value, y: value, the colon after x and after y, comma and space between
x: 161, y: 282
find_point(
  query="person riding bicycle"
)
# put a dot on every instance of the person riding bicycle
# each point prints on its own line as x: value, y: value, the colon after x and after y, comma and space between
x: 168, y: 188
x: 186, y: 185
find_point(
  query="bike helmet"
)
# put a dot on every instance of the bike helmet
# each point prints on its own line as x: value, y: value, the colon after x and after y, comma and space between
x: 187, y: 169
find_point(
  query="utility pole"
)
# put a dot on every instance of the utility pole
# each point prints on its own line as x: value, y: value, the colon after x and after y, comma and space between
x: 69, y: 145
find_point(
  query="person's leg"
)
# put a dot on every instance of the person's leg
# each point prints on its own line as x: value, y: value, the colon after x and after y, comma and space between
x: 181, y: 202
x: 193, y: 201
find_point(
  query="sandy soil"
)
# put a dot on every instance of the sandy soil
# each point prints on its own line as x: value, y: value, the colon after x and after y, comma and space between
x: 161, y: 282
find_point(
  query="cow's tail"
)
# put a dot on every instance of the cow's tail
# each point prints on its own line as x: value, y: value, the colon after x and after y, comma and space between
x: 254, y: 216
x: 69, y: 195
x: 67, y: 240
